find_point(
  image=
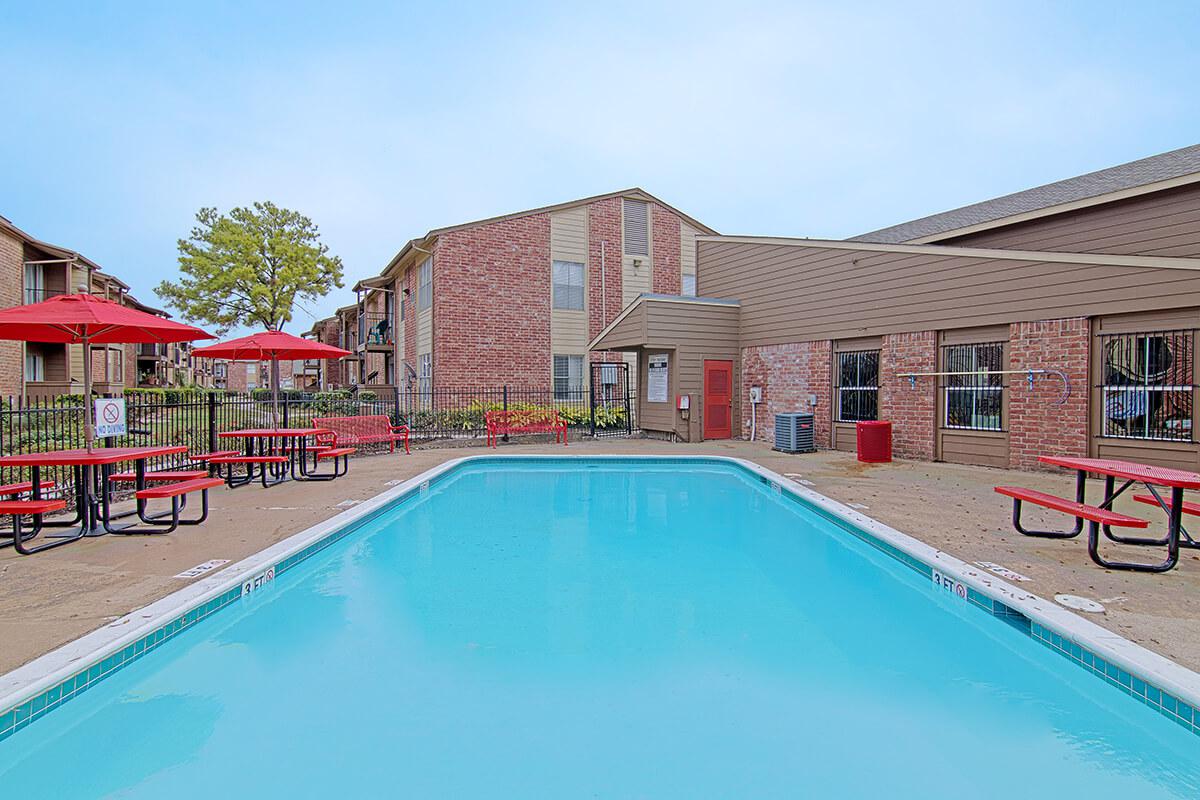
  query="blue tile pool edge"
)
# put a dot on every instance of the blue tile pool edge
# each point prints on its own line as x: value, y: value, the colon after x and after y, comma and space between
x: 46, y: 683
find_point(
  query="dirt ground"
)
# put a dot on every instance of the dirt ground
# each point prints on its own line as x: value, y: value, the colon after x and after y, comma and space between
x: 53, y: 597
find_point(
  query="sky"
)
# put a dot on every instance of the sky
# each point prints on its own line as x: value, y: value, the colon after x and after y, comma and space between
x: 380, y: 121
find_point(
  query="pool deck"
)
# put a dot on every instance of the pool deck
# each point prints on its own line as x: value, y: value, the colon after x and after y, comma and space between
x: 53, y: 597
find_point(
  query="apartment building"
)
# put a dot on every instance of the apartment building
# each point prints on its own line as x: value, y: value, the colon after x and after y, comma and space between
x: 1060, y: 320
x: 515, y: 299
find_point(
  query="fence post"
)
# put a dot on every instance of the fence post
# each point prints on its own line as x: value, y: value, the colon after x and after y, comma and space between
x: 212, y: 422
x: 396, y: 405
x: 287, y: 402
x: 505, y: 437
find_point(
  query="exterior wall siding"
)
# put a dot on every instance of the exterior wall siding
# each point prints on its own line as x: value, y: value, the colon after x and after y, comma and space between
x: 492, y: 304
x: 12, y: 279
x: 1038, y: 423
x: 1165, y: 223
x: 911, y: 410
x: 788, y: 374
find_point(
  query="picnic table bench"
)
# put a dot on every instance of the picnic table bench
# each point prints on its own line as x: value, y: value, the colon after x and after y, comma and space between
x: 502, y: 423
x: 359, y: 430
x: 1101, y: 517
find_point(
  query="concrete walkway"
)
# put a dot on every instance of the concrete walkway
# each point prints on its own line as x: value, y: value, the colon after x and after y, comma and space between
x: 53, y: 597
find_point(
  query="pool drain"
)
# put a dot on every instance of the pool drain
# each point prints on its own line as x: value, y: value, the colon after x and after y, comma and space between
x: 1078, y: 603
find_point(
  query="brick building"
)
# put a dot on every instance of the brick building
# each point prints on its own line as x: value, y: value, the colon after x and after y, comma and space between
x: 32, y: 270
x: 1058, y: 320
x: 513, y: 299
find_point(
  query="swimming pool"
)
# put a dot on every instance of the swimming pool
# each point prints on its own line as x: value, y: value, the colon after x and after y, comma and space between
x: 604, y: 627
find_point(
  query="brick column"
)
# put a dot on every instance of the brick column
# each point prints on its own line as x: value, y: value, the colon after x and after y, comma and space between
x: 788, y: 375
x: 911, y: 410
x: 1037, y: 423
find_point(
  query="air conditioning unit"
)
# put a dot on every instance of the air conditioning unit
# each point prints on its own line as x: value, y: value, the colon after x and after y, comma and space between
x: 794, y: 433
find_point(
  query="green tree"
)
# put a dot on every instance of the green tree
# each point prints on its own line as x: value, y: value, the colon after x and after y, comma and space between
x: 250, y: 267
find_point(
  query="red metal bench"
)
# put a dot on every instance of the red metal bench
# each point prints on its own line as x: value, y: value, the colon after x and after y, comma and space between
x: 500, y: 423
x: 1081, y: 511
x: 272, y: 469
x: 352, y: 431
x: 35, y: 508
x: 1186, y: 508
x: 174, y: 492
x: 164, y: 476
x: 13, y: 489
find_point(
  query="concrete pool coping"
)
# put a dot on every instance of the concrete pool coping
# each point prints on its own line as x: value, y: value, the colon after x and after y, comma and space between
x: 36, y: 679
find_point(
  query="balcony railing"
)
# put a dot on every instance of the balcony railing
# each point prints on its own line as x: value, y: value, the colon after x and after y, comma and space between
x: 152, y: 350
x: 38, y: 294
x: 376, y: 329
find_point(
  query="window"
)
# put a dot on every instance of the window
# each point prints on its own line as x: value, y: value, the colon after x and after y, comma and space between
x: 402, y: 303
x: 35, y: 284
x: 425, y: 285
x: 116, y: 364
x: 425, y: 377
x: 637, y: 229
x: 35, y: 365
x: 858, y: 385
x: 251, y: 377
x: 568, y: 377
x: 568, y: 285
x: 974, y: 398
x: 688, y: 286
x: 1147, y: 384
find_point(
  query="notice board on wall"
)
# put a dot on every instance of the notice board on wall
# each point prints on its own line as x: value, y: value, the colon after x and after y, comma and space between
x: 657, y: 378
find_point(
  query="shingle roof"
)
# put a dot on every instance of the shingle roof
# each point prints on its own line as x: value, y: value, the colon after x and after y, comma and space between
x: 1173, y: 164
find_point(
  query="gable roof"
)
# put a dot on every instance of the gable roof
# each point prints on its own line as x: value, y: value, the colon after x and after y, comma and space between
x: 52, y: 249
x: 633, y: 192
x: 1174, y: 168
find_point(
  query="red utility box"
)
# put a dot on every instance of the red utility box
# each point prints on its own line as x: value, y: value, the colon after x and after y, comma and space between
x: 874, y: 442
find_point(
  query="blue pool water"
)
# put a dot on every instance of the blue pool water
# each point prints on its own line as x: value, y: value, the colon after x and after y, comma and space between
x: 592, y: 629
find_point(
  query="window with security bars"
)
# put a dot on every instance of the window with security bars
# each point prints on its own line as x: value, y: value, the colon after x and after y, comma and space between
x: 858, y: 386
x: 568, y: 285
x: 568, y: 377
x: 974, y: 395
x: 1147, y: 385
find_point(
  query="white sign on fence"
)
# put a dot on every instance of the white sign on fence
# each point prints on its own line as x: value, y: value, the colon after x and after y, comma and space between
x: 110, y: 417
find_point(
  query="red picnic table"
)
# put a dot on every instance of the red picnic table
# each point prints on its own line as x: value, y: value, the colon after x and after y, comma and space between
x: 275, y: 462
x: 1102, y: 518
x: 91, y: 496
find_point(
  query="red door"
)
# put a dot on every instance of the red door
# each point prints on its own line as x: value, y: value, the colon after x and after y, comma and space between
x: 718, y: 399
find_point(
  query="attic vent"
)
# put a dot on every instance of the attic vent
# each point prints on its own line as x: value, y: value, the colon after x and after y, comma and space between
x: 637, y: 229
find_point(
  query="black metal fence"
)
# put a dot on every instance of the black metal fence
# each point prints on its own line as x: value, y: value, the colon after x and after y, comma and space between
x: 194, y: 418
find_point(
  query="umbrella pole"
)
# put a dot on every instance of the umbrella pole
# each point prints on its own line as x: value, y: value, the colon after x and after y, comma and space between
x: 89, y: 427
x: 275, y: 393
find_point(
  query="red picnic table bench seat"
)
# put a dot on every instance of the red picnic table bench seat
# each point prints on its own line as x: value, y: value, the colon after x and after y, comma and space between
x: 162, y: 476
x: 1080, y: 510
x: 366, y: 429
x: 546, y: 420
x: 1187, y: 507
x: 12, y: 489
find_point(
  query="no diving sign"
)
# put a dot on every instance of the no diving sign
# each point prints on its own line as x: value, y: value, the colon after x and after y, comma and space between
x: 110, y: 417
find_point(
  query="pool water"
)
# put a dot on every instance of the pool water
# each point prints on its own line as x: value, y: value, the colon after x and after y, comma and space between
x: 601, y: 629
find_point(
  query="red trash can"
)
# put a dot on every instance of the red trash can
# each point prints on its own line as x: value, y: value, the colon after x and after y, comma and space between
x: 874, y: 442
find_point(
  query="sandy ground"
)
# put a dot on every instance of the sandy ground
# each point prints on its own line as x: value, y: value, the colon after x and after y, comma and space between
x: 53, y: 597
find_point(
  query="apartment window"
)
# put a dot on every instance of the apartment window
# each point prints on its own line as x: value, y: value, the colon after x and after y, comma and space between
x: 425, y: 285
x: 35, y: 283
x: 116, y: 364
x: 637, y: 227
x: 401, y: 307
x: 35, y: 365
x: 1147, y: 385
x: 974, y: 398
x: 425, y: 373
x: 568, y: 377
x: 858, y: 385
x: 251, y: 376
x: 568, y: 285
x: 688, y: 285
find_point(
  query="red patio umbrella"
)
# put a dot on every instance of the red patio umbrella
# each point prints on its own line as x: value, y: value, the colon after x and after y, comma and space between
x: 85, y: 319
x: 273, y: 346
